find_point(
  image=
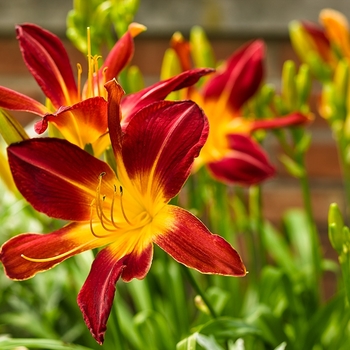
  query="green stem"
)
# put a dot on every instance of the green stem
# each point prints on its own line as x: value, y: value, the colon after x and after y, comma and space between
x: 199, y: 291
x: 306, y: 193
x: 342, y: 147
x: 257, y: 222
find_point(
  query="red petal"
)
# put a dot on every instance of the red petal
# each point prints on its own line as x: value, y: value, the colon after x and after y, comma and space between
x: 160, y: 144
x: 292, y: 119
x: 138, y: 265
x: 246, y: 164
x: 159, y: 91
x: 81, y: 123
x: 189, y: 242
x: 56, y: 177
x: 13, y: 100
x: 96, y: 296
x: 183, y: 50
x: 66, y: 242
x: 241, y: 76
x: 48, y: 61
x: 115, y: 94
x: 117, y: 59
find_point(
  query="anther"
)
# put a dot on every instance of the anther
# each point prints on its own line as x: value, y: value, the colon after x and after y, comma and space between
x: 80, y: 72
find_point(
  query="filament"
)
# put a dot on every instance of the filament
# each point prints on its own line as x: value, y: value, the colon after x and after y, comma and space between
x: 102, y: 223
x: 122, y: 207
x: 90, y: 68
x: 112, y: 206
x: 97, y: 202
x: 96, y: 58
x: 80, y: 71
x: 104, y: 79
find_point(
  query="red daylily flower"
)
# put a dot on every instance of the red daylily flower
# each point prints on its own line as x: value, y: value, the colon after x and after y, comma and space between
x: 318, y: 41
x: 336, y: 28
x: 328, y: 41
x: 311, y: 43
x: 124, y: 212
x: 222, y: 96
x: 69, y: 108
x: 81, y: 116
x: 230, y: 153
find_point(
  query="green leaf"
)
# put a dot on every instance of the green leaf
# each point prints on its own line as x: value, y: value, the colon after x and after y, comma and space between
x: 292, y: 166
x: 328, y: 327
x: 188, y: 343
x: 281, y: 346
x: 278, y: 248
x: 45, y: 344
x: 225, y: 328
x: 208, y: 343
x: 299, y: 234
x: 269, y: 326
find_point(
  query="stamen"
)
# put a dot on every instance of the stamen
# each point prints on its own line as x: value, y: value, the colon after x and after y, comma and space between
x: 104, y: 220
x: 122, y: 207
x: 90, y: 68
x: 104, y: 80
x: 112, y: 206
x: 53, y: 258
x: 103, y: 225
x: 99, y: 205
x: 96, y: 58
x: 80, y: 71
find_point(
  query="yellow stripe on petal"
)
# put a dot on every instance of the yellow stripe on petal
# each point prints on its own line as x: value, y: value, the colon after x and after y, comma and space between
x: 28, y: 254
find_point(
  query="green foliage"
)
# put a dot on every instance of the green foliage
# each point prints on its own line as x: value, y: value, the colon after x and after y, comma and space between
x: 278, y: 305
x: 99, y: 15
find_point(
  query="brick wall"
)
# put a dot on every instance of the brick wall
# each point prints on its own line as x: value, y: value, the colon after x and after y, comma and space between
x: 228, y: 23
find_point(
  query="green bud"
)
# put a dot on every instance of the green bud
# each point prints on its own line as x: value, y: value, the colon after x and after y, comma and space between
x: 201, y: 305
x: 301, y: 43
x: 279, y: 105
x: 6, y: 176
x: 109, y: 158
x: 341, y: 81
x: 135, y: 80
x: 303, y: 143
x: 335, y: 227
x: 289, y: 94
x: 171, y: 65
x: 10, y: 129
x: 303, y: 85
x: 202, y: 51
x: 321, y: 70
